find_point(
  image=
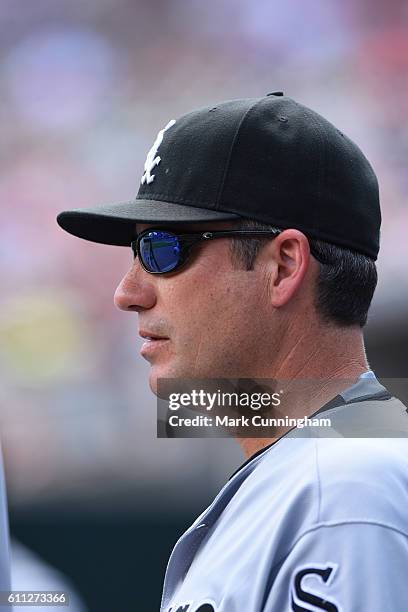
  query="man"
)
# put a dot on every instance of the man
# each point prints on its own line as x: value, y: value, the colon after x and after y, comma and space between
x: 307, y: 522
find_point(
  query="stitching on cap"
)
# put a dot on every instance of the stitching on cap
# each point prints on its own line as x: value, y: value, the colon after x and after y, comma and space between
x: 159, y: 196
x: 222, y: 183
x: 322, y: 156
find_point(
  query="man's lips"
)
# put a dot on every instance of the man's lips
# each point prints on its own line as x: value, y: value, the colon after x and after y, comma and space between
x: 152, y: 342
x: 151, y: 336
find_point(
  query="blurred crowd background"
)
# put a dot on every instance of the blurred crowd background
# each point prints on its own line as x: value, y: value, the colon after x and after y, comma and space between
x: 85, y: 87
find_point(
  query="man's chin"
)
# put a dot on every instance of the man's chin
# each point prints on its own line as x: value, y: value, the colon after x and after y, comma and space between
x: 153, y: 384
x: 156, y: 376
x: 160, y: 373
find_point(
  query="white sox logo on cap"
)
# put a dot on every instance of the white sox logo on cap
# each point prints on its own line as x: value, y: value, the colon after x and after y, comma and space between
x: 151, y: 160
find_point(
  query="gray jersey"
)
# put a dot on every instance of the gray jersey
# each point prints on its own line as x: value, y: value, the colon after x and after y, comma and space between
x: 306, y: 524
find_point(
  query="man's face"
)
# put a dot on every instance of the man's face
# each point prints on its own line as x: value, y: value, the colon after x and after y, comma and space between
x: 210, y: 312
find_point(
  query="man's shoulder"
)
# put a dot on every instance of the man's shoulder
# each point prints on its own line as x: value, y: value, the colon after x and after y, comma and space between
x: 338, y: 480
x: 371, y: 459
x: 363, y: 479
x: 339, y: 462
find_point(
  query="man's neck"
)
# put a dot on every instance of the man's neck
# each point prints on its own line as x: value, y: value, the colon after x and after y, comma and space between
x: 310, y: 375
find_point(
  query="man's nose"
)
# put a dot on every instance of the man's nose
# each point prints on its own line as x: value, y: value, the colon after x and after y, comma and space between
x: 135, y: 291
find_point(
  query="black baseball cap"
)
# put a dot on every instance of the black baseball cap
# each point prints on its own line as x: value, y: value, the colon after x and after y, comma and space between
x: 269, y: 159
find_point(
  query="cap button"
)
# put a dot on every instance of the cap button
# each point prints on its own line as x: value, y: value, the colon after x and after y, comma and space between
x: 276, y: 93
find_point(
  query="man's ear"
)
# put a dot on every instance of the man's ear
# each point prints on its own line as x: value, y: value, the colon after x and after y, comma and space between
x: 286, y: 260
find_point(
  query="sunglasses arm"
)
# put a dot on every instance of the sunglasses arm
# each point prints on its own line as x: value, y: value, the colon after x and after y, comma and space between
x: 226, y: 233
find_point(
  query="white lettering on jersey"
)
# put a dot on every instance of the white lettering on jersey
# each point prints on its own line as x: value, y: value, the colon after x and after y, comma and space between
x: 152, y: 160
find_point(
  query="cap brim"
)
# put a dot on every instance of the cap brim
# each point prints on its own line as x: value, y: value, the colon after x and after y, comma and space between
x: 115, y: 223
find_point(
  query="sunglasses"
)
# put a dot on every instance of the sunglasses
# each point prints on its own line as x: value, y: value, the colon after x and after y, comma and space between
x: 160, y: 251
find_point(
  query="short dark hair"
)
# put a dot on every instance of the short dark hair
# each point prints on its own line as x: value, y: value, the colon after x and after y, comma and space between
x: 346, y: 281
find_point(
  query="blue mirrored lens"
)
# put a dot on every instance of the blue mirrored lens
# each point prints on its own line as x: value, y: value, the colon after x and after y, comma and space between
x: 160, y: 251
